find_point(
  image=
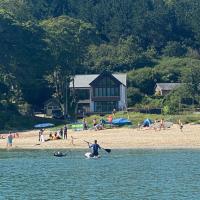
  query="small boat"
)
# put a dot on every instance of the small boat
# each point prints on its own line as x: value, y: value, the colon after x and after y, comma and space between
x: 88, y: 155
x: 59, y: 154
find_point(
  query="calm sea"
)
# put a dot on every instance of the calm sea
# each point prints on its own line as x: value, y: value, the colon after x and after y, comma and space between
x: 123, y: 174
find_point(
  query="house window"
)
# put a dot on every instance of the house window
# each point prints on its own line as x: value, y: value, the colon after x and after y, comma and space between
x: 105, y: 106
x: 106, y: 87
x: 106, y: 92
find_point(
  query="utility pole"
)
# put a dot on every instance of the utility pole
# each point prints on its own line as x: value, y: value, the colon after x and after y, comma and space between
x: 66, y: 100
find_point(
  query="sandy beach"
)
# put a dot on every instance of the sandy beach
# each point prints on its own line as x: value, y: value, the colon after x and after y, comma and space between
x: 116, y: 138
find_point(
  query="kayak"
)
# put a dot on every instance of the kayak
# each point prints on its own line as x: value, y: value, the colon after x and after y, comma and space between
x: 88, y: 155
x: 59, y: 154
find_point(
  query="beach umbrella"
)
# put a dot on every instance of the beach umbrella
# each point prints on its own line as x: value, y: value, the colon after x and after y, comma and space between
x: 44, y: 125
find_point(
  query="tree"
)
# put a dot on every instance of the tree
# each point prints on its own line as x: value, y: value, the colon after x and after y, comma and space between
x: 174, y: 49
x: 191, y: 80
x: 68, y: 40
x: 23, y: 57
x: 134, y: 96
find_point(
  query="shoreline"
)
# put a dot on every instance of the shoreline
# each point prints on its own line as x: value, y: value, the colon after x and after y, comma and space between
x: 116, y: 138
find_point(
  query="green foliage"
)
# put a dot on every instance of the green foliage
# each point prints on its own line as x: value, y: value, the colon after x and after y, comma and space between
x: 191, y: 78
x: 122, y: 56
x: 44, y: 43
x: 133, y: 96
x: 166, y: 110
x: 144, y: 79
x: 174, y: 49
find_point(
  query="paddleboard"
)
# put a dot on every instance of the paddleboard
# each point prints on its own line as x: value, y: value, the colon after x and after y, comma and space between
x: 88, y: 155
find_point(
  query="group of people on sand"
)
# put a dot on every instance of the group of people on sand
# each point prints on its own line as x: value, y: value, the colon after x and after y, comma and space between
x: 98, y: 126
x: 60, y: 134
x: 157, y: 125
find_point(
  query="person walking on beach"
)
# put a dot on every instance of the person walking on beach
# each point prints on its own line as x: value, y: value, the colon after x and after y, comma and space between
x: 40, y: 133
x: 9, y: 140
x: 61, y: 133
x: 85, y: 127
x: 162, y: 124
x: 65, y: 132
x: 95, y: 148
x: 42, y: 136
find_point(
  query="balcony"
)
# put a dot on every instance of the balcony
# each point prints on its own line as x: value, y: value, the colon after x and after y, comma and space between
x: 106, y: 98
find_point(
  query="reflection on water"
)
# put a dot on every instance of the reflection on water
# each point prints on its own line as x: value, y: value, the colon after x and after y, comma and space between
x: 123, y: 174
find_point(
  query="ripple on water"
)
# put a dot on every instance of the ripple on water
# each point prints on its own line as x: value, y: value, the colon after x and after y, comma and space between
x: 123, y: 174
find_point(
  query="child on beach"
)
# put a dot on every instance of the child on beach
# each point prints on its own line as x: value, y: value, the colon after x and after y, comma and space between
x: 180, y: 125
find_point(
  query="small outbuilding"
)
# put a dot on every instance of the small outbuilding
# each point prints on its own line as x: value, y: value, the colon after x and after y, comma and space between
x: 52, y: 105
x: 162, y: 89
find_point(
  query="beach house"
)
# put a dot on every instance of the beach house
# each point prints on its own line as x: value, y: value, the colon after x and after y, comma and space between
x: 51, y: 106
x: 100, y: 93
x: 162, y: 89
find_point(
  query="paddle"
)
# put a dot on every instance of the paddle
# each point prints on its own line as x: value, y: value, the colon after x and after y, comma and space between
x: 107, y: 150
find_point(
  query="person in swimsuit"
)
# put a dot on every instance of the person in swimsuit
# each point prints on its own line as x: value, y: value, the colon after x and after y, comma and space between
x: 9, y: 140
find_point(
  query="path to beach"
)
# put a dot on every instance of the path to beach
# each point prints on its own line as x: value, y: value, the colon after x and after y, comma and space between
x: 116, y: 138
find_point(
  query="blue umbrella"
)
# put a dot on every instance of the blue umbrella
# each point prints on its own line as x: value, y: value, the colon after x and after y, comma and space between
x: 43, y: 125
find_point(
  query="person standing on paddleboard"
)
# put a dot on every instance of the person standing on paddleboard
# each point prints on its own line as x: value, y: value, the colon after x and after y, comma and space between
x: 95, y: 148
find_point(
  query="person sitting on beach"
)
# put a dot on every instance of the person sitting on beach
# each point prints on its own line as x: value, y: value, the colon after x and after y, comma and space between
x: 9, y: 140
x: 102, y: 122
x: 94, y: 122
x: 98, y: 127
x: 50, y: 136
x: 2, y: 137
x: 56, y: 136
x: 95, y: 148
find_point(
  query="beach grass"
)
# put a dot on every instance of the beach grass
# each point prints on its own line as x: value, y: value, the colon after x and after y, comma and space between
x: 21, y: 123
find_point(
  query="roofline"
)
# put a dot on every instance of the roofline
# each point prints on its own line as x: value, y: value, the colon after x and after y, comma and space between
x: 109, y: 73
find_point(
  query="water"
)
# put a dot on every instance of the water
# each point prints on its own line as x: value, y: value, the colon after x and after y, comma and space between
x: 124, y: 174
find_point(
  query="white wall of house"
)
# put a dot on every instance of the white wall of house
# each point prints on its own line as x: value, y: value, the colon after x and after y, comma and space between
x: 122, y: 102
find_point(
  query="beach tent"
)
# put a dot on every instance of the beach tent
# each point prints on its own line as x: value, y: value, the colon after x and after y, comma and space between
x: 44, y: 125
x: 147, y: 122
x: 121, y: 122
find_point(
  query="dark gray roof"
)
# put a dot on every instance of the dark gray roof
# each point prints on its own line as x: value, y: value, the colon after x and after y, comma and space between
x: 167, y: 86
x: 83, y: 81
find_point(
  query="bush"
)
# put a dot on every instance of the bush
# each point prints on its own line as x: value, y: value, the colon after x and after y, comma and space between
x: 134, y: 96
x: 174, y: 49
